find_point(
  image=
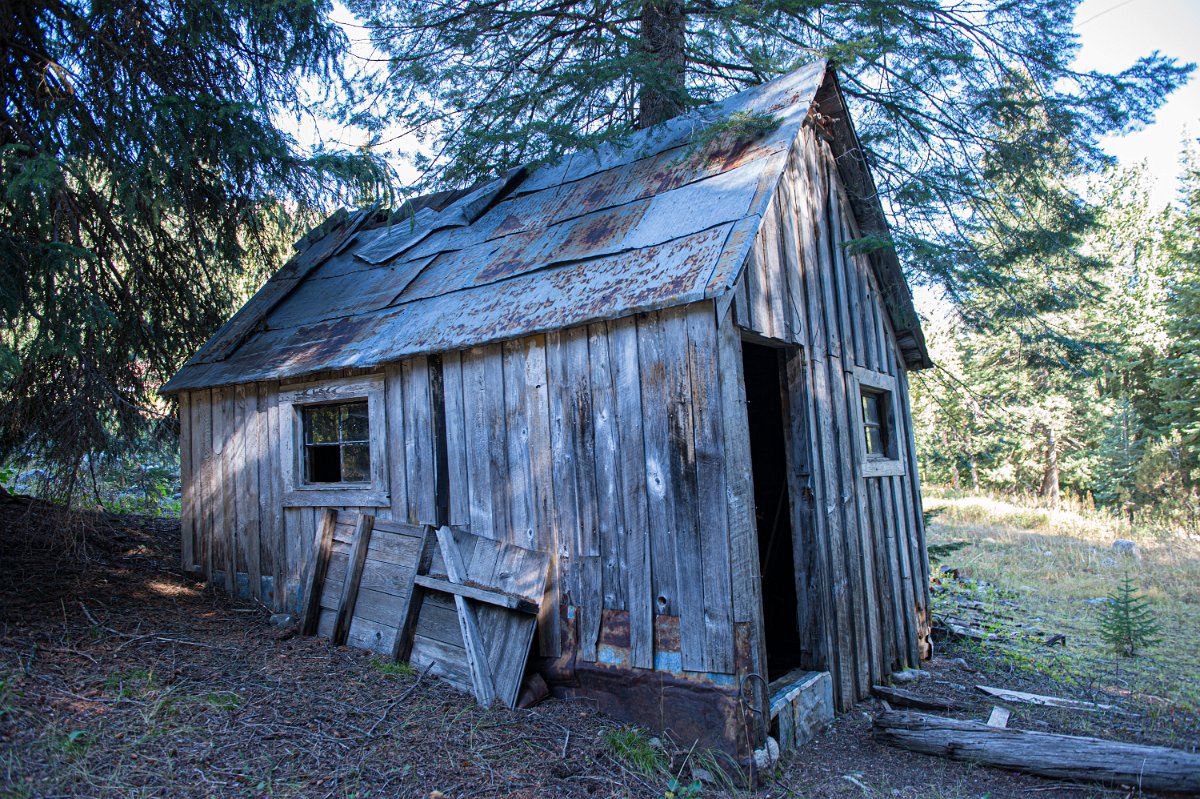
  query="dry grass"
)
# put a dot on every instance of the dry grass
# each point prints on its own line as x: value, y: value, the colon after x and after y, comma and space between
x: 1050, y: 563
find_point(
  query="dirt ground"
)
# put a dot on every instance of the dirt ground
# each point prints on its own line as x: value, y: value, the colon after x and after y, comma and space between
x: 122, y: 677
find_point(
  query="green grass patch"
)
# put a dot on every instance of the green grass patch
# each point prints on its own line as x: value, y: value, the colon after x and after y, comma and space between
x: 1047, y: 571
x: 73, y: 744
x: 130, y: 684
x: 223, y: 700
x: 631, y: 747
x: 392, y: 669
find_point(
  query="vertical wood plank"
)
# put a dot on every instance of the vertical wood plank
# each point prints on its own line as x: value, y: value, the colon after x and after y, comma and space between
x: 418, y: 442
x: 915, y: 517
x: 497, y: 441
x: 314, y: 572
x: 681, y: 450
x: 456, y: 440
x: 745, y: 574
x: 274, y: 541
x: 711, y: 497
x: 562, y: 457
x: 479, y: 473
x: 791, y: 249
x: 299, y: 544
x: 889, y: 575
x: 225, y: 525
x: 247, y: 487
x: 589, y: 588
x: 639, y: 592
x: 660, y: 500
x: 397, y: 442
x: 202, y: 463
x: 518, y: 472
x: 187, y: 487
x: 545, y: 534
x: 895, y: 505
x: 354, y: 569
x: 609, y: 497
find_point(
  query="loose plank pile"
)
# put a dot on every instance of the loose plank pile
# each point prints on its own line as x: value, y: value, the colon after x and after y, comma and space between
x: 461, y: 605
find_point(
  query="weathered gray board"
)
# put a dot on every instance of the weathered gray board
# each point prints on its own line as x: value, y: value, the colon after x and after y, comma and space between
x: 360, y: 584
x: 501, y: 587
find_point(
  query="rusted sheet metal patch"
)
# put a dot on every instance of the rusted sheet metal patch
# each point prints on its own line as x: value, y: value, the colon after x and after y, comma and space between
x: 562, y: 296
x: 674, y: 273
x: 699, y: 707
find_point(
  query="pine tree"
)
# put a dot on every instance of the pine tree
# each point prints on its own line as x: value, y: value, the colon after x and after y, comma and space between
x: 1178, y: 380
x: 146, y: 188
x: 1127, y: 622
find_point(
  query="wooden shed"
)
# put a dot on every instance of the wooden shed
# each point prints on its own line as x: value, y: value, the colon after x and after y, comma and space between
x: 658, y: 363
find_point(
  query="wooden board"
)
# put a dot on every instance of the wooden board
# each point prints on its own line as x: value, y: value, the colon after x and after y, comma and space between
x: 486, y: 648
x: 359, y: 586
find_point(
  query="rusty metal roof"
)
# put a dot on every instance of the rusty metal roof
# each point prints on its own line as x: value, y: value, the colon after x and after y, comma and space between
x: 658, y: 220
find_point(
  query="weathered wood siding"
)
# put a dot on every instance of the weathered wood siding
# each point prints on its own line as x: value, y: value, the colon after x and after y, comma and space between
x: 603, y: 445
x: 859, y: 540
x: 236, y: 528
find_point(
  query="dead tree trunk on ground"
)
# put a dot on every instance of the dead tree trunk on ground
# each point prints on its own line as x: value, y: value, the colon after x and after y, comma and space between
x: 1064, y: 756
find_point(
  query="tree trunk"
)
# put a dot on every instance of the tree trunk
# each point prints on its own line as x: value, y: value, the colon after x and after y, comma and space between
x: 1060, y: 756
x: 663, y: 34
x: 1050, y: 475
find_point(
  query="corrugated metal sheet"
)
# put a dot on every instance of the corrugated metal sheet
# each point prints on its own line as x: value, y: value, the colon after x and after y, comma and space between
x: 648, y: 223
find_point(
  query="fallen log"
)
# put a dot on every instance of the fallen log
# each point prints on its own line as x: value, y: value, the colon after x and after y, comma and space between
x: 1065, y: 756
x: 1021, y: 697
x: 904, y: 698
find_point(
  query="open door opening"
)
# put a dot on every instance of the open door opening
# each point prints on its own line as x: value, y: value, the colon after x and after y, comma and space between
x: 768, y: 455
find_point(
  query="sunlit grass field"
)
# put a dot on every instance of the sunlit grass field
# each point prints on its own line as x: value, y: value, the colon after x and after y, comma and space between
x: 1047, y: 564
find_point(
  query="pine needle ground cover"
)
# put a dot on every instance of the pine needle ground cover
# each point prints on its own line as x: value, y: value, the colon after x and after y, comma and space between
x: 1026, y: 574
x: 121, y: 677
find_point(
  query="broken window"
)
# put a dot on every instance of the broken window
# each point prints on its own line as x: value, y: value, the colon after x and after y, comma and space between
x: 337, y: 443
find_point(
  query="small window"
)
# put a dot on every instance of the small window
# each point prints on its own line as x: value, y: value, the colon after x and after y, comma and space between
x: 876, y: 428
x: 337, y: 443
x: 875, y: 432
x: 333, y: 444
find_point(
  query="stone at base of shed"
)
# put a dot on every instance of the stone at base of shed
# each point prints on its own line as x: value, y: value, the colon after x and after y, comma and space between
x: 801, y: 706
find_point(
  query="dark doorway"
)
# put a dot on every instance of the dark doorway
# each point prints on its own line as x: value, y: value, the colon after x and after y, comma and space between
x: 768, y: 454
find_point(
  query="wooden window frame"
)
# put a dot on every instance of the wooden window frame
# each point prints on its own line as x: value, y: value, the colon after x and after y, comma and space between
x: 292, y: 401
x: 884, y: 386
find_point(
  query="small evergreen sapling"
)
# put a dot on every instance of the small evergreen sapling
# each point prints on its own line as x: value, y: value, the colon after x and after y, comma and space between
x: 1127, y: 621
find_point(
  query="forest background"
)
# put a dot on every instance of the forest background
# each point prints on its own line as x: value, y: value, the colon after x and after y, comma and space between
x: 159, y: 156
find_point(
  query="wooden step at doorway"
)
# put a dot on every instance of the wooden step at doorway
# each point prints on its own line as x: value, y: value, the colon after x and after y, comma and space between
x: 801, y: 706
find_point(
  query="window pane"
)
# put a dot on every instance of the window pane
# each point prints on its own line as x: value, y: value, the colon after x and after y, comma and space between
x: 356, y: 463
x: 321, y: 424
x: 874, y: 441
x: 323, y: 464
x: 354, y: 422
x: 871, y: 408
